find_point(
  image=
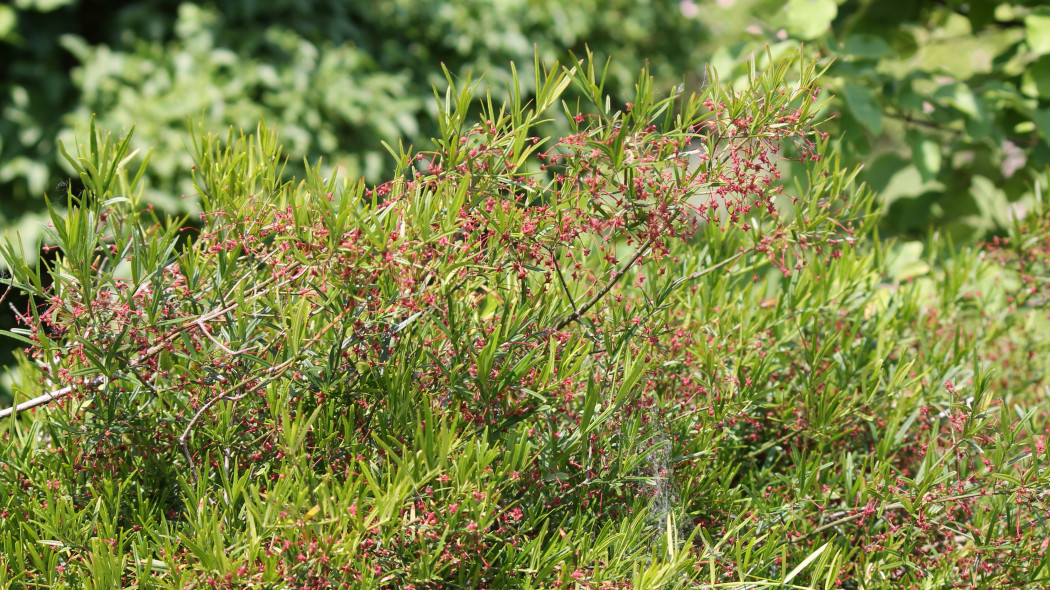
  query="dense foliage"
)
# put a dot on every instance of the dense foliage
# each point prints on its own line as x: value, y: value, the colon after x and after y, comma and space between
x: 648, y: 352
x: 943, y: 102
x: 335, y: 77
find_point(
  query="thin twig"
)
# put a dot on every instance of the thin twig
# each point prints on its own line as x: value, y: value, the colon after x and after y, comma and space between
x: 711, y: 269
x: 46, y: 398
x: 275, y: 372
x: 568, y: 295
x: 907, y: 118
x: 225, y: 395
x: 845, y: 519
x: 892, y: 506
x: 204, y: 330
x: 576, y: 315
x: 151, y: 351
x: 6, y: 291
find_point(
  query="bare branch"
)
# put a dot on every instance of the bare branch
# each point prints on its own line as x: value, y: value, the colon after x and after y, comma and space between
x: 46, y: 398
x: 151, y: 351
x: 274, y: 372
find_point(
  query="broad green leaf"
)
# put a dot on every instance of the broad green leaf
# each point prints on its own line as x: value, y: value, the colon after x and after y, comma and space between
x: 991, y: 200
x: 866, y: 46
x: 1041, y: 119
x: 8, y: 22
x: 44, y: 5
x: 926, y: 154
x: 908, y: 263
x: 907, y: 182
x: 1036, y: 79
x: 864, y: 106
x: 1037, y: 33
x: 809, y: 19
x: 961, y: 97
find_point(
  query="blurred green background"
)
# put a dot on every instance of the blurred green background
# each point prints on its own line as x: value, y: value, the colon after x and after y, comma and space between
x: 947, y: 103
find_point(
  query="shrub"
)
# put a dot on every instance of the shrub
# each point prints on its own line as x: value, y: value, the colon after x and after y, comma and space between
x: 335, y: 78
x: 630, y: 356
x: 941, y: 102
